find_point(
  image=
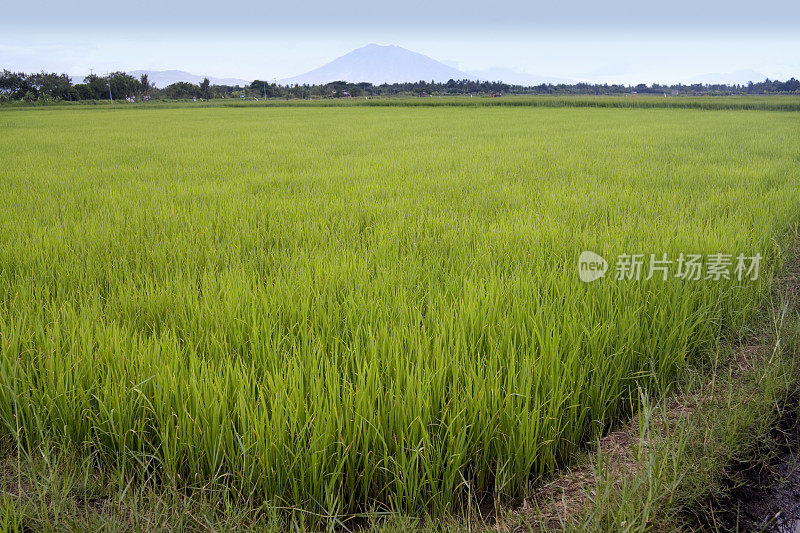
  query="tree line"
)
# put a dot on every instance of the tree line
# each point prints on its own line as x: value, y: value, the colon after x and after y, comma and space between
x: 116, y: 85
x: 120, y: 86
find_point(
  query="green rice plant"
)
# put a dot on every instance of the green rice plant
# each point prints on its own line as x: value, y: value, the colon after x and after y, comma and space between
x: 737, y: 102
x: 349, y: 310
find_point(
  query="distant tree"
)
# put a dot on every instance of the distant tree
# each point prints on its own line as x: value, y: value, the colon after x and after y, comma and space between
x: 355, y: 91
x: 366, y: 87
x: 335, y: 88
x: 14, y: 84
x: 51, y: 85
x: 263, y: 88
x: 96, y: 88
x: 144, y: 84
x: 223, y: 91
x: 298, y: 91
x: 204, y: 89
x: 123, y: 85
x: 84, y: 91
x: 182, y: 89
x: 791, y: 86
x: 21, y: 86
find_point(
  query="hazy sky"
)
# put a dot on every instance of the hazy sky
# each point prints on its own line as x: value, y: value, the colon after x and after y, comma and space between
x: 621, y: 41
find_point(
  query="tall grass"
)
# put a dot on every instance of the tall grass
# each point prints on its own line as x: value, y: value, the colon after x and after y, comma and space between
x: 737, y: 102
x: 344, y: 310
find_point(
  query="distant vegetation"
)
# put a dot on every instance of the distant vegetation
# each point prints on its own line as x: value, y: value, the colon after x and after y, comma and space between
x: 49, y: 87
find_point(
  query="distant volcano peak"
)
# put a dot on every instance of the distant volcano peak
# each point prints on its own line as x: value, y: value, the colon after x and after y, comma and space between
x: 378, y: 64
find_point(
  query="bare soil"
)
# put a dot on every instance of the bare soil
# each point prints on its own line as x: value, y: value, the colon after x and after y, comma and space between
x: 765, y: 495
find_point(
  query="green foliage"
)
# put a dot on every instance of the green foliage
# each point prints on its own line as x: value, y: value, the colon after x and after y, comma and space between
x: 123, y: 85
x: 14, y: 84
x: 182, y: 89
x: 97, y: 87
x: 343, y: 310
x: 144, y: 84
x: 261, y: 88
x: 205, y: 91
x: 119, y: 85
x: 53, y: 86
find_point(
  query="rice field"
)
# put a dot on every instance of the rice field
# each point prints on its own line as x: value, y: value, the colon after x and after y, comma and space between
x: 343, y: 310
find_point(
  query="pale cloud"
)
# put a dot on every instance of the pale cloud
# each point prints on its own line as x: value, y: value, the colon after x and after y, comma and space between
x: 630, y: 47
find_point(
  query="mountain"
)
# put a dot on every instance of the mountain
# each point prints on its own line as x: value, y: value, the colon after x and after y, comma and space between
x: 740, y: 77
x: 162, y: 78
x: 513, y: 77
x: 380, y: 64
